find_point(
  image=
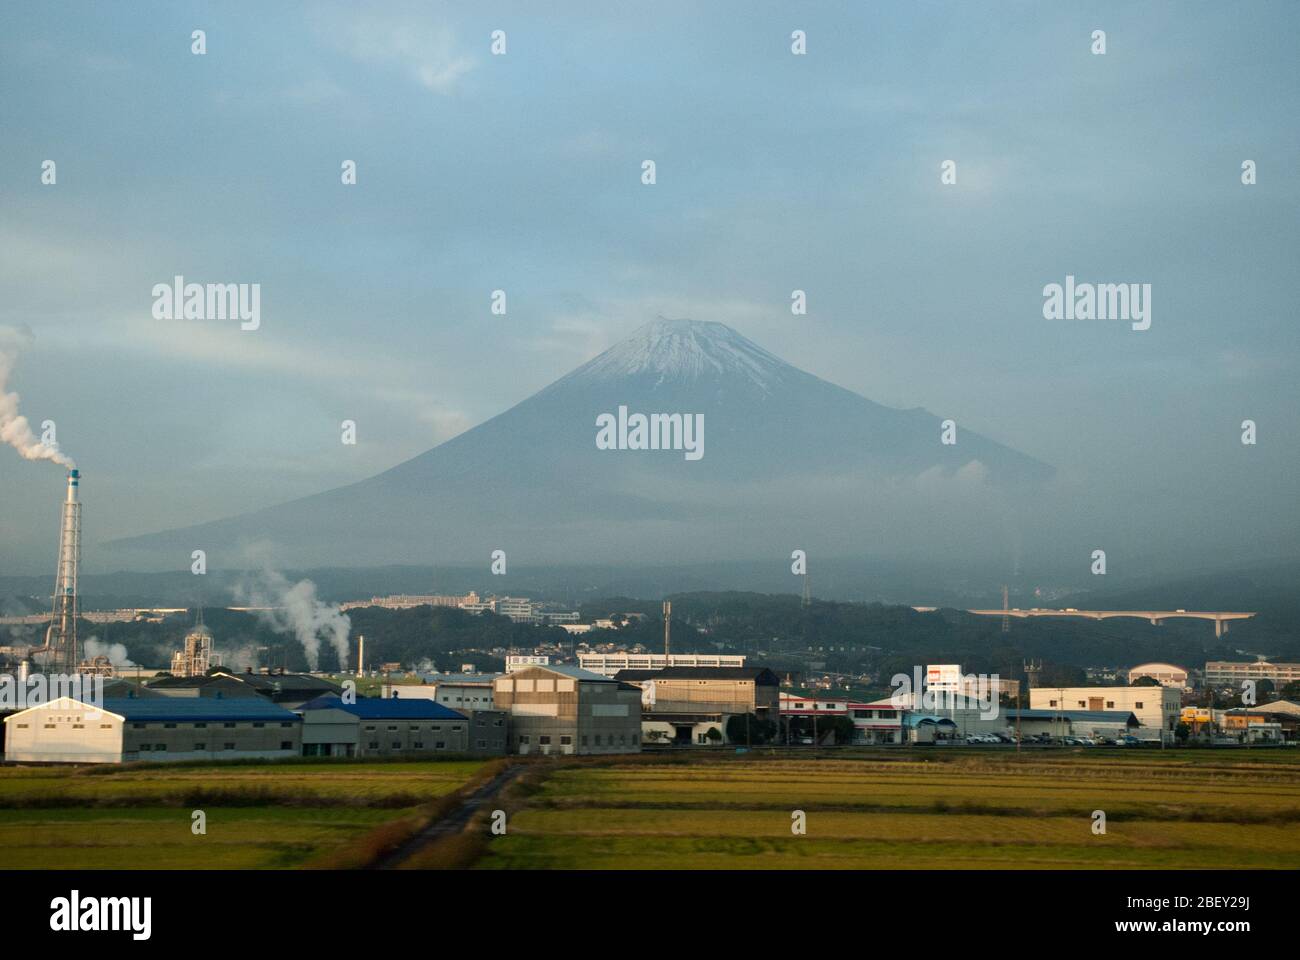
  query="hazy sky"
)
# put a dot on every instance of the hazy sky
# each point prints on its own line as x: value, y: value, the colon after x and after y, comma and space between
x: 522, y: 172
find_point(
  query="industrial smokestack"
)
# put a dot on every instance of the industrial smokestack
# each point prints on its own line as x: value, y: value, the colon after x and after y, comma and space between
x: 62, y: 653
x: 361, y: 655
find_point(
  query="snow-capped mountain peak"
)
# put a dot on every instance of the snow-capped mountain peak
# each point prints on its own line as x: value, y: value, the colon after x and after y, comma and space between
x: 685, y: 350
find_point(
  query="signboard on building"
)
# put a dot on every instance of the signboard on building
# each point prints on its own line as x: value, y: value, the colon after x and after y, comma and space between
x: 943, y: 676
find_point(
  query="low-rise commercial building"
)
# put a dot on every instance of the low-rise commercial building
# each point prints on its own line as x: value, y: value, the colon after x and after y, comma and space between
x: 567, y: 710
x: 1260, y: 724
x: 119, y: 730
x: 873, y: 723
x: 1199, y: 720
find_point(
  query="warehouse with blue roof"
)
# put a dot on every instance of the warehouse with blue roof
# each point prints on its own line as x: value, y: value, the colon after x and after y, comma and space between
x: 391, y: 726
x: 120, y: 730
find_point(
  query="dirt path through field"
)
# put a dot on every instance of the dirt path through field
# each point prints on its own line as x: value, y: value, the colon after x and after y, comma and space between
x: 454, y: 822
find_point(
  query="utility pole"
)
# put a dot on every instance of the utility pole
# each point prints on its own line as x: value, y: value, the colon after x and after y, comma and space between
x: 1019, y: 709
x: 668, y: 630
x: 1032, y: 668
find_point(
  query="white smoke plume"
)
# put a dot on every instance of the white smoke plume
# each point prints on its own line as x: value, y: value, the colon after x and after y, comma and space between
x: 116, y: 652
x: 295, y: 609
x: 14, y: 428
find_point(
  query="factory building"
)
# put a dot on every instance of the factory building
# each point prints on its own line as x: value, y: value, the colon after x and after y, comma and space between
x: 287, y: 689
x: 194, y: 659
x: 1090, y: 724
x: 722, y: 690
x: 69, y: 730
x: 567, y: 710
x: 457, y: 691
x: 1158, y: 709
x: 388, y: 727
x: 691, y: 705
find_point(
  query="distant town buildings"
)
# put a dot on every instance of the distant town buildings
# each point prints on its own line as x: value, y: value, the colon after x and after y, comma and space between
x: 610, y: 664
x: 518, y: 609
x: 1166, y: 674
x: 1228, y: 674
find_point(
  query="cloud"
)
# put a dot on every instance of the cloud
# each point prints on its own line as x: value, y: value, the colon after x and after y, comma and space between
x: 426, y: 53
x: 582, y: 327
x: 447, y: 422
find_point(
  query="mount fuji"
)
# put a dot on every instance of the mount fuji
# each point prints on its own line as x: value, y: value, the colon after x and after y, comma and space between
x: 790, y: 462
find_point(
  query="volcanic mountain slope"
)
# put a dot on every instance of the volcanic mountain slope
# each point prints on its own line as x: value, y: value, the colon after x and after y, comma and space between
x: 785, y: 455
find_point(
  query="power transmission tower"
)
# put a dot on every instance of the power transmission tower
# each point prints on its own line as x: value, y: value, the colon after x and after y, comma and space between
x: 1006, y: 616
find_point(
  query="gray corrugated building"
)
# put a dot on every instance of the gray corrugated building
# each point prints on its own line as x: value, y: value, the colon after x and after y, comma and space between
x: 568, y: 710
x: 390, y: 726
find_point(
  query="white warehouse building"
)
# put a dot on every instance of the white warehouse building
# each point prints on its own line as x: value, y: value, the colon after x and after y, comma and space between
x: 1158, y: 709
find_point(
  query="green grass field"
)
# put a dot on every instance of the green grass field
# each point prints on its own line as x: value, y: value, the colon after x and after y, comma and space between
x: 864, y: 809
x: 258, y: 815
x: 1176, y: 809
